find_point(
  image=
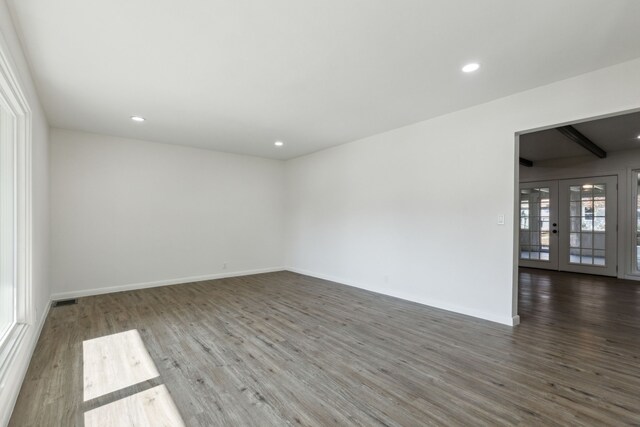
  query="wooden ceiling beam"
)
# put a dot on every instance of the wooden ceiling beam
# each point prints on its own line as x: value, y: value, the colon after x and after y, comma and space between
x: 575, y: 135
x: 525, y: 162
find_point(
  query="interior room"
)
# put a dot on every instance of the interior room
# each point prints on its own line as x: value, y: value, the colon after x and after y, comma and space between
x: 282, y: 212
x: 578, y: 225
x: 579, y: 197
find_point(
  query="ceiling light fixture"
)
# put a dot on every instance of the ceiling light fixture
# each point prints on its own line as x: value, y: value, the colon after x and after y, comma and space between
x: 138, y: 119
x: 278, y: 143
x: 638, y: 136
x: 470, y: 68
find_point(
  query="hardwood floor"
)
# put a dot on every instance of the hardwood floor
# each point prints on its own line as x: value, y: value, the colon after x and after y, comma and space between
x: 286, y: 349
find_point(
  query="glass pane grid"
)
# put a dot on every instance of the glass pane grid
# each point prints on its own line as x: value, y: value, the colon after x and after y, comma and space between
x: 534, y: 223
x: 587, y: 224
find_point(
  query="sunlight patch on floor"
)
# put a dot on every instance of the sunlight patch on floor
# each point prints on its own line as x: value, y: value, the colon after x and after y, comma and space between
x: 149, y: 408
x: 114, y: 362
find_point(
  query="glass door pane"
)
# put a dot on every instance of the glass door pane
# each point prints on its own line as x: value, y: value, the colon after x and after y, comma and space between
x: 588, y: 213
x: 534, y: 223
x: 588, y: 224
x: 538, y: 219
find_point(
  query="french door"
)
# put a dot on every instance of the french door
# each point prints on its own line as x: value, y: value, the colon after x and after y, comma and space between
x: 539, y: 225
x: 570, y: 225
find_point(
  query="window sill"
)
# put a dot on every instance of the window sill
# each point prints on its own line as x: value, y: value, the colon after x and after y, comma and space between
x: 9, y: 348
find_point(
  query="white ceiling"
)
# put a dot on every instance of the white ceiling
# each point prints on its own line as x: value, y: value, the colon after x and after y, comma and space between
x: 611, y: 134
x: 237, y: 75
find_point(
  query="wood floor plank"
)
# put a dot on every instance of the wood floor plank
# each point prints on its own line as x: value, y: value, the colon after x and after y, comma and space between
x: 287, y: 349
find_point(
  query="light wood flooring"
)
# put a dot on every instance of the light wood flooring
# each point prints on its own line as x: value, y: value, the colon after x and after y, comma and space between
x: 286, y: 349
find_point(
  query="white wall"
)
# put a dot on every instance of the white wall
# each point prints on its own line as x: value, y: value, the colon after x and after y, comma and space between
x: 128, y: 213
x: 618, y: 163
x: 413, y: 212
x: 10, y: 45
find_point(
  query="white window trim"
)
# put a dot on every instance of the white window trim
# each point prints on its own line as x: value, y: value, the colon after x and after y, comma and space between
x: 15, y: 103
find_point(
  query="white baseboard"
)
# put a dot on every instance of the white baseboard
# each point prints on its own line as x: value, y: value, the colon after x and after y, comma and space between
x: 21, y: 362
x: 144, y: 285
x: 505, y: 320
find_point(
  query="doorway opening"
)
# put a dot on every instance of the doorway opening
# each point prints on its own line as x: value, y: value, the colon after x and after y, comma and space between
x: 577, y: 199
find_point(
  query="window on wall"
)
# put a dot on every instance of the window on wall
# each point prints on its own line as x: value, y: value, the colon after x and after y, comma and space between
x: 16, y: 310
x: 8, y: 291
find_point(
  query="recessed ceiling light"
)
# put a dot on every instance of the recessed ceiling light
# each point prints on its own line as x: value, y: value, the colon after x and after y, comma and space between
x: 470, y: 68
x: 638, y: 136
x: 138, y: 119
x: 278, y: 143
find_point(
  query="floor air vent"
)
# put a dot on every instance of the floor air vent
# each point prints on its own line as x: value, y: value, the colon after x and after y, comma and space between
x: 65, y: 302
